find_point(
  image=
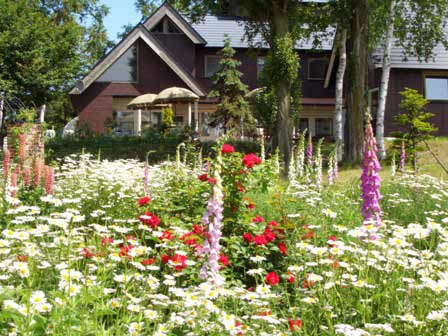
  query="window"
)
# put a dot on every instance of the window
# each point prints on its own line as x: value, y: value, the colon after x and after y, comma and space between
x: 324, y: 127
x: 304, y: 124
x: 211, y: 65
x: 436, y: 88
x: 260, y: 65
x: 151, y: 119
x: 166, y: 26
x: 124, y: 69
x: 317, y: 68
x: 124, y: 123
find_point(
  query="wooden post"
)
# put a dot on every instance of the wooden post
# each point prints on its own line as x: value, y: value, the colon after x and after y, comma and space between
x: 138, y: 122
x: 42, y: 114
x: 189, y: 114
x: 196, y: 116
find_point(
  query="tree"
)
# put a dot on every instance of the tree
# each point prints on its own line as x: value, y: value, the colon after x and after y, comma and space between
x: 46, y: 45
x: 415, y: 120
x: 232, y: 110
x: 339, y: 95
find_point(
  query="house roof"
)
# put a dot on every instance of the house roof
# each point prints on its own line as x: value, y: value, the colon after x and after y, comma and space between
x: 438, y: 62
x: 138, y: 32
x: 213, y: 28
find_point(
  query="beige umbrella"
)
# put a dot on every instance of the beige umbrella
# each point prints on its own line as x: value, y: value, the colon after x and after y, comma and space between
x: 175, y: 95
x: 146, y: 102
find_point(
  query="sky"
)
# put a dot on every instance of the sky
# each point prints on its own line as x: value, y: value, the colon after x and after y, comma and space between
x: 121, y: 13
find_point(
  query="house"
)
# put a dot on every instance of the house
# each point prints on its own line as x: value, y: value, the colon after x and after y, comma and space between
x: 167, y: 50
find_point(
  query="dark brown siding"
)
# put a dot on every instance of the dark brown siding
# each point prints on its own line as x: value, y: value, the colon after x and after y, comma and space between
x: 181, y: 48
x: 399, y: 80
x: 94, y: 105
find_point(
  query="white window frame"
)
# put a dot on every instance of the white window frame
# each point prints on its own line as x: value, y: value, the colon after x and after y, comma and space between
x: 429, y: 76
x: 206, y: 74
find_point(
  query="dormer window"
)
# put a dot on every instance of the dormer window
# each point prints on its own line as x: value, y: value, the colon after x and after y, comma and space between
x: 166, y: 26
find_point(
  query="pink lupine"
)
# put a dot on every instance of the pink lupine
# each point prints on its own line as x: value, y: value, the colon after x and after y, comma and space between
x: 402, y: 157
x: 26, y: 176
x: 370, y: 180
x: 14, y: 184
x: 22, y: 148
x: 49, y: 180
x: 6, y: 163
x: 37, y: 173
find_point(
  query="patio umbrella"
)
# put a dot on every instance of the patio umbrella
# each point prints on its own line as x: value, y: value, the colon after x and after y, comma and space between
x: 175, y: 95
x: 145, y: 101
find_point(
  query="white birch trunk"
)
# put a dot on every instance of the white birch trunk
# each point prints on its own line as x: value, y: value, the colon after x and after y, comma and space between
x: 385, y: 81
x: 339, y: 129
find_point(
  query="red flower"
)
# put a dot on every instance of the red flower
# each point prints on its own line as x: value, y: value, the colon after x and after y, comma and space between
x: 258, y: 219
x: 247, y: 237
x: 179, y: 261
x: 147, y: 262
x: 149, y: 219
x: 250, y: 206
x: 198, y: 229
x: 260, y: 240
x: 203, y: 177
x: 273, y: 223
x: 87, y: 253
x: 331, y: 240
x: 165, y: 258
x: 308, y: 235
x: 223, y: 259
x: 144, y: 200
x: 211, y: 180
x: 22, y: 258
x: 125, y: 249
x: 269, y: 235
x: 226, y: 148
x: 272, y: 278
x: 251, y: 160
x: 106, y: 241
x: 291, y: 277
x: 282, y: 248
x: 168, y: 234
x: 294, y: 323
x: 240, y: 187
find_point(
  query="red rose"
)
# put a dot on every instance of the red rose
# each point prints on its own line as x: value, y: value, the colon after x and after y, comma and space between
x: 226, y: 148
x: 179, y: 261
x: 147, y: 262
x: 144, y: 200
x: 247, y: 237
x: 198, y: 229
x: 258, y: 219
x: 203, y: 177
x: 260, y: 240
x: 282, y: 248
x: 251, y: 160
x: 269, y: 235
x: 149, y: 219
x: 272, y: 278
x: 223, y: 259
x: 294, y: 323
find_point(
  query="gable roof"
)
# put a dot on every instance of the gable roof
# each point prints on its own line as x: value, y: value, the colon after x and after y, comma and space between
x: 138, y: 32
x: 167, y: 10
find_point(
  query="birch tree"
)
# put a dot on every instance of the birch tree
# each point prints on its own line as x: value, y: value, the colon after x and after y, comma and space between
x: 339, y: 134
x: 384, y: 86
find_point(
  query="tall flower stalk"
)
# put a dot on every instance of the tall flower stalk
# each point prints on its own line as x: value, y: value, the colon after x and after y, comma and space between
x: 318, y: 164
x: 402, y: 157
x: 393, y: 165
x: 213, y: 218
x: 292, y: 166
x: 370, y: 180
x: 332, y: 173
x: 300, y: 155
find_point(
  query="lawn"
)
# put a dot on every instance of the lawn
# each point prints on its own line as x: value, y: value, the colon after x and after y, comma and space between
x: 220, y: 248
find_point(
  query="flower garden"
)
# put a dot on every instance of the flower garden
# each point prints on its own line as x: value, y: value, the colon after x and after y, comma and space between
x: 221, y: 246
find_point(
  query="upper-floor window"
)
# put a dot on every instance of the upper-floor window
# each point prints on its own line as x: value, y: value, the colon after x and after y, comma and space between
x: 166, y: 26
x: 211, y: 65
x: 260, y: 65
x: 436, y: 88
x: 124, y: 69
x: 317, y: 68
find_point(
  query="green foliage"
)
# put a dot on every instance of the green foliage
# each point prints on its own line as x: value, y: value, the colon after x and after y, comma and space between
x: 26, y: 115
x: 167, y: 117
x: 232, y: 110
x: 415, y: 121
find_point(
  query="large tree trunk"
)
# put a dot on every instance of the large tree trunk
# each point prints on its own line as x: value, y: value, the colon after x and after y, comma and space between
x: 283, y: 129
x: 385, y: 81
x: 339, y: 133
x: 357, y: 80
